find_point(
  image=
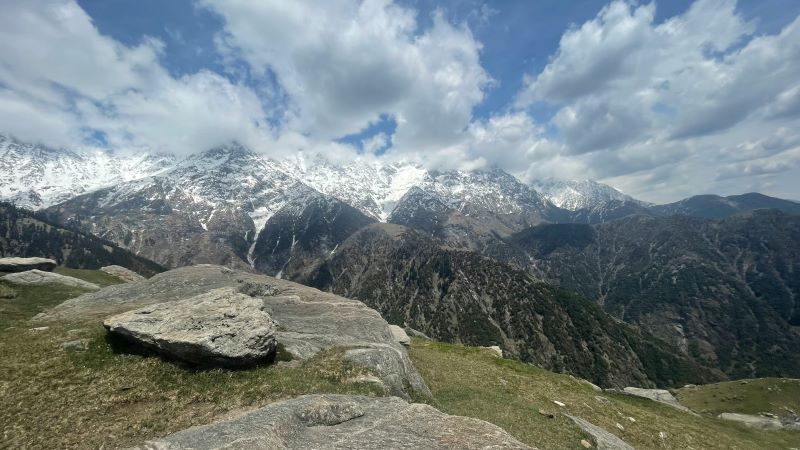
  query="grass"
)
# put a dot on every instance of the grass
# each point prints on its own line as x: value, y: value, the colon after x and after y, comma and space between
x: 93, y: 398
x: 471, y: 382
x: 779, y: 396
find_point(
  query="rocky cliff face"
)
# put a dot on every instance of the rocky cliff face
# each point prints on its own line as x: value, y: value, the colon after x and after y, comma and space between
x: 214, y: 208
x: 463, y: 297
x: 725, y: 291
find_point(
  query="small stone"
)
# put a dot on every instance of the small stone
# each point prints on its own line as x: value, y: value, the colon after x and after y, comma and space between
x: 631, y: 419
x: 546, y: 414
x: 498, y: 352
x: 601, y: 399
x: 559, y: 403
x: 78, y: 345
x: 619, y: 425
x: 662, y: 435
x: 39, y: 329
x: 586, y: 444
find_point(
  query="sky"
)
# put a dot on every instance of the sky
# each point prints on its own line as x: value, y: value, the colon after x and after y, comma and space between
x: 662, y: 100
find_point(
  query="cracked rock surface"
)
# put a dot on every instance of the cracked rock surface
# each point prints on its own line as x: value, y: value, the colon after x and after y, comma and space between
x: 343, y: 422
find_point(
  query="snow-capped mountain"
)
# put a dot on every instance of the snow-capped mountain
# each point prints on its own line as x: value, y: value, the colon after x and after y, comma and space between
x: 35, y: 176
x: 230, y: 205
x: 581, y: 194
x: 368, y: 186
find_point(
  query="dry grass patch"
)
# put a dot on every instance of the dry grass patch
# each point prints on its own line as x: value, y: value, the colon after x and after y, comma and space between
x: 779, y: 396
x: 471, y: 382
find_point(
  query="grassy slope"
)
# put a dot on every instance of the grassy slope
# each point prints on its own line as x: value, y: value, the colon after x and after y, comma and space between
x: 55, y: 398
x: 471, y: 382
x: 769, y: 395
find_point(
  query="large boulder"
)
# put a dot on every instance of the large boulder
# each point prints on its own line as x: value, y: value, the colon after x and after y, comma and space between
x: 310, y: 320
x: 219, y: 328
x: 123, y: 273
x: 15, y: 264
x: 38, y: 277
x: 343, y: 422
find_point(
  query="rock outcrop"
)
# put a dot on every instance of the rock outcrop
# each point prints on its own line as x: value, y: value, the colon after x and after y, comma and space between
x: 14, y: 264
x: 123, y: 273
x: 602, y: 438
x: 657, y: 395
x: 38, y: 277
x: 343, y: 422
x: 400, y: 335
x: 310, y: 320
x: 761, y: 422
x: 219, y: 328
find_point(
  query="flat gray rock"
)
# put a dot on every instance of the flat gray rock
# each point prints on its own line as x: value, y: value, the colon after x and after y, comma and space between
x: 123, y: 273
x: 310, y: 320
x: 761, y: 422
x: 658, y: 395
x: 219, y: 328
x: 602, y: 438
x: 338, y: 422
x: 38, y: 277
x: 15, y: 264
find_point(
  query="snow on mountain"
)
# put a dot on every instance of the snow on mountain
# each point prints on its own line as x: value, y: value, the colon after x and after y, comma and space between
x: 38, y: 177
x: 376, y: 189
x: 35, y: 176
x: 370, y: 187
x: 581, y: 194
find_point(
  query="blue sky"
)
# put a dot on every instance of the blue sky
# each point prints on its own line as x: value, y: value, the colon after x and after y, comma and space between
x: 644, y: 96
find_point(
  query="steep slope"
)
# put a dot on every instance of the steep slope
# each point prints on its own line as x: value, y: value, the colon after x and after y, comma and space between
x: 24, y: 233
x: 463, y: 297
x: 606, y: 212
x: 474, y: 210
x: 210, y: 208
x: 716, y: 207
x: 727, y: 291
x: 35, y: 176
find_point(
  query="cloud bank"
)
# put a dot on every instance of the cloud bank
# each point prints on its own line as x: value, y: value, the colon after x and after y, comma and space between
x: 699, y: 102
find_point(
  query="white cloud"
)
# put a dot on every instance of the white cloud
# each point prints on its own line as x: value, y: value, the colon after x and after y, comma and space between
x: 661, y: 109
x: 345, y: 63
x: 375, y: 143
x: 63, y: 80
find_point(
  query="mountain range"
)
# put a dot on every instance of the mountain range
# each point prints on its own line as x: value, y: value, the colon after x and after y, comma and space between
x: 552, y: 271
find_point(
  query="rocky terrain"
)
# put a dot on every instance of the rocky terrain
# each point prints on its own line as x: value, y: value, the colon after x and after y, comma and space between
x: 291, y: 218
x: 343, y: 422
x: 328, y: 386
x: 309, y: 321
x: 459, y: 296
x: 716, y: 207
x: 725, y: 291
